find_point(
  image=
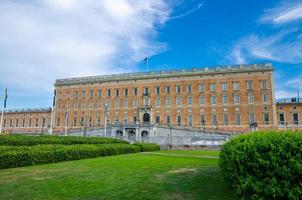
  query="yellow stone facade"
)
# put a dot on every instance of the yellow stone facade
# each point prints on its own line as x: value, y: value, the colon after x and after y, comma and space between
x: 223, y: 98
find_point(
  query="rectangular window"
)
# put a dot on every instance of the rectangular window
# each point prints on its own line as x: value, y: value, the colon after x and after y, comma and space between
x: 189, y: 101
x: 67, y: 95
x: 99, y: 121
x: 108, y: 102
x: 100, y: 93
x: 236, y: 86
x: 157, y: 90
x: 135, y: 103
x: 224, y: 87
x: 168, y: 89
x: 252, y: 118
x: 225, y: 119
x: 237, y: 118
x: 58, y: 122
x: 168, y: 120
x: 224, y: 99
x: 83, y: 94
x: 76, y: 94
x: 99, y: 104
x: 178, y: 101
x: 190, y: 120
x: 264, y: 98
x: 146, y: 91
x: 266, y: 118
x: 168, y: 101
x: 281, y: 119
x: 201, y: 100
x: 146, y: 101
x: 250, y: 98
x: 202, y: 120
x: 74, y: 121
x: 213, y: 100
x: 178, y: 89
x: 201, y: 87
x: 189, y: 88
x: 236, y: 98
x: 264, y: 84
x: 213, y: 87
x: 179, y: 120
x: 108, y: 93
x: 295, y: 118
x: 157, y: 102
x: 43, y: 122
x: 126, y: 103
x: 75, y: 105
x: 23, y: 123
x: 214, y: 119
x: 135, y: 91
x: 116, y: 103
x: 91, y: 105
x: 17, y: 122
x: 91, y: 94
x: 83, y: 105
x: 157, y: 119
x: 249, y: 85
x: 126, y: 92
x: 30, y: 122
x: 117, y: 92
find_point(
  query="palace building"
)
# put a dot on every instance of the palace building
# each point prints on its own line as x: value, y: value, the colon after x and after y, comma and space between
x: 226, y: 99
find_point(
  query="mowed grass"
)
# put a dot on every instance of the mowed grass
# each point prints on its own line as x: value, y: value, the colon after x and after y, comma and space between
x: 132, y: 176
x: 191, y: 152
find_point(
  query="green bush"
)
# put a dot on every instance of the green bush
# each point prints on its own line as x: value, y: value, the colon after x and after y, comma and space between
x: 17, y: 156
x: 27, y: 140
x: 147, y: 146
x: 264, y: 165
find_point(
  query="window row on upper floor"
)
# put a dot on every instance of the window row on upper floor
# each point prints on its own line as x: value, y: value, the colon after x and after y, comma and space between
x: 168, y: 89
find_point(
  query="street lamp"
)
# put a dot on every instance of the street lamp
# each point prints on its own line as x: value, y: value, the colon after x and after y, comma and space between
x: 170, y: 137
x: 105, y: 124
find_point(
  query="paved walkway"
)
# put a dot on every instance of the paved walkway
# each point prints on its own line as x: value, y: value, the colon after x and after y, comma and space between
x: 180, y: 155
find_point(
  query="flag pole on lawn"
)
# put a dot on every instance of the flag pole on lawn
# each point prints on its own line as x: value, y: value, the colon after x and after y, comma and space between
x: 4, y: 106
x: 52, y: 113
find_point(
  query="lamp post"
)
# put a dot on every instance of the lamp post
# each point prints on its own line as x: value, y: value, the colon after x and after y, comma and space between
x: 170, y: 136
x: 204, y: 130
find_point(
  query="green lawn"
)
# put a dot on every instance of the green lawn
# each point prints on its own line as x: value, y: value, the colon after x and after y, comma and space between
x: 192, y: 152
x: 132, y: 176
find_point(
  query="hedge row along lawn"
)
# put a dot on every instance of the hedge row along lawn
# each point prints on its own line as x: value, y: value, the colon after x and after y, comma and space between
x: 27, y: 140
x: 264, y: 165
x: 24, y: 150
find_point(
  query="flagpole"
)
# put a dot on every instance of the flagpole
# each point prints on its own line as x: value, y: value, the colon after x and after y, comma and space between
x: 66, y: 120
x: 2, y: 113
x: 4, y: 106
x: 52, y: 112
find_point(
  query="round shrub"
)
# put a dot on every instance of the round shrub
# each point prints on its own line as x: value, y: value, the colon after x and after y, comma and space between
x: 264, y: 165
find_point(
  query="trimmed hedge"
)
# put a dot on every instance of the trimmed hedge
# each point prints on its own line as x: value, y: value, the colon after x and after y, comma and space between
x: 12, y: 156
x: 147, y: 146
x: 27, y: 140
x: 264, y: 165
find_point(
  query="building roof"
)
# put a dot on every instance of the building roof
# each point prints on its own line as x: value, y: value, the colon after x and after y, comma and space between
x: 294, y: 100
x: 28, y: 110
x: 166, y: 74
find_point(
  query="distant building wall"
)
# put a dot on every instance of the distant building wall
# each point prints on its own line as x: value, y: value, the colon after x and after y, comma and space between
x: 289, y: 113
x: 27, y: 121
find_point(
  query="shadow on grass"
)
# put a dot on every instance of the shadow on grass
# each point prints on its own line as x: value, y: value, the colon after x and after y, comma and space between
x: 201, y: 183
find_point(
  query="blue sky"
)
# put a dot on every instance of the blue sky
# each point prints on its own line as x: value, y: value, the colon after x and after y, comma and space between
x: 42, y: 40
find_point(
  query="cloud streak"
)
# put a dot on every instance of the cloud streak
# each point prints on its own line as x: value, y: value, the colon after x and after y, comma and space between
x: 285, y: 13
x: 187, y: 12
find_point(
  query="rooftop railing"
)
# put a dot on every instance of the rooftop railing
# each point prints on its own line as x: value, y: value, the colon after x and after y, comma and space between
x: 142, y: 75
x: 28, y: 110
x: 290, y: 100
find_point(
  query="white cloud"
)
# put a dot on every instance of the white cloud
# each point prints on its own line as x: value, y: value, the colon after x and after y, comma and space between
x: 41, y: 40
x: 285, y: 13
x: 276, y: 47
x: 187, y: 12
